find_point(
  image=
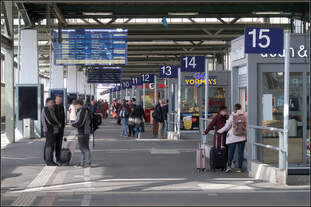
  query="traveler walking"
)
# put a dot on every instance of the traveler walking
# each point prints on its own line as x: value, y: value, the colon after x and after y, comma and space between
x: 131, y: 117
x: 50, y: 127
x: 139, y: 116
x: 237, y: 123
x: 72, y: 112
x: 157, y: 117
x: 164, y: 109
x: 105, y: 108
x: 60, y: 115
x: 123, y: 114
x: 83, y: 125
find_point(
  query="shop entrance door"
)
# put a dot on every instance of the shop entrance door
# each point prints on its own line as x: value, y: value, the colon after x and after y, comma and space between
x: 270, y: 113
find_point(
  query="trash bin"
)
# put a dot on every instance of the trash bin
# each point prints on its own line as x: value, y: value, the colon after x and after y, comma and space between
x: 28, y: 128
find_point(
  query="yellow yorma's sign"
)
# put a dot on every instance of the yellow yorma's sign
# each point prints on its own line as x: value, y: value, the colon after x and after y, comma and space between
x: 197, y: 82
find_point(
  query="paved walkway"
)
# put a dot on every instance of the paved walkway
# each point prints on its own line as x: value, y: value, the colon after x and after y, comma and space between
x: 131, y: 172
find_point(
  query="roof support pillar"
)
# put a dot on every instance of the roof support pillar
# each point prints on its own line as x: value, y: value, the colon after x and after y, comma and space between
x: 9, y: 74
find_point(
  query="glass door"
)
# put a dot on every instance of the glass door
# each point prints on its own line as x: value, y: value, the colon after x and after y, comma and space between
x: 271, y: 115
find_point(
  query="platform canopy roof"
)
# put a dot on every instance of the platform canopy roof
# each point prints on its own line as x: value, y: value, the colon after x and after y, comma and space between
x: 203, y: 27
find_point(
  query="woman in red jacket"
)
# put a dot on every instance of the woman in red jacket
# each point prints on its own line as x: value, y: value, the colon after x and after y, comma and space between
x: 217, y: 123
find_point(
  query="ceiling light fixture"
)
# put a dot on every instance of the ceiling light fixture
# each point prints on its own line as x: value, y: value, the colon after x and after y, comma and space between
x: 183, y: 13
x: 267, y: 13
x: 97, y: 13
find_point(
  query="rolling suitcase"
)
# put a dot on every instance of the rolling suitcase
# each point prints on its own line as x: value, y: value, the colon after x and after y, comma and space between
x: 65, y: 154
x: 217, y: 157
x: 200, y: 158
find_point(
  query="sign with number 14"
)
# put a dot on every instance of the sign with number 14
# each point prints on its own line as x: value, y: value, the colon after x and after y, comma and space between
x: 192, y: 63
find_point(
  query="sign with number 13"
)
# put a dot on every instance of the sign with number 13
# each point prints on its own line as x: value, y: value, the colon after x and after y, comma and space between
x: 168, y: 71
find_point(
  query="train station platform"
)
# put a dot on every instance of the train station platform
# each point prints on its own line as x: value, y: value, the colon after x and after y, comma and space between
x: 126, y: 171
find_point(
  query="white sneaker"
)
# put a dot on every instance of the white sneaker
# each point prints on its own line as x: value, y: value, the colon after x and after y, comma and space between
x: 239, y: 170
x: 228, y: 170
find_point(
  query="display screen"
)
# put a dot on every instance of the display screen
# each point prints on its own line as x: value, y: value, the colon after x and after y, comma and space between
x: 103, y: 75
x: 28, y: 103
x: 90, y: 47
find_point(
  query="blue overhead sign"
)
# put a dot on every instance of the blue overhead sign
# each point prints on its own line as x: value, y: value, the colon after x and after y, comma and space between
x: 264, y: 40
x: 147, y: 78
x: 136, y: 81
x: 90, y: 47
x: 192, y: 63
x: 126, y: 84
x: 168, y: 71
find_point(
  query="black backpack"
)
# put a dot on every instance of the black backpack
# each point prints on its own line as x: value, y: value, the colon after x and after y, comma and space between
x: 95, y: 120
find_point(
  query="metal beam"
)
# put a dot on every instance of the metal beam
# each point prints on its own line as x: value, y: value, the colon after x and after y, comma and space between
x: 84, y: 20
x: 111, y: 21
x: 128, y: 20
x: 221, y: 20
x: 59, y: 15
x: 173, y: 52
x: 6, y: 42
x: 147, y: 27
x: 99, y: 22
x: 25, y: 14
x: 7, y: 15
x: 181, y: 37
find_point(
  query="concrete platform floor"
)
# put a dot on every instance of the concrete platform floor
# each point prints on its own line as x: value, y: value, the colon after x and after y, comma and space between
x: 131, y: 172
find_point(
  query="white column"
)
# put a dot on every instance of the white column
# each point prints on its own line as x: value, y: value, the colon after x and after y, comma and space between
x: 72, y: 79
x: 29, y: 73
x: 56, y: 74
x: 80, y: 83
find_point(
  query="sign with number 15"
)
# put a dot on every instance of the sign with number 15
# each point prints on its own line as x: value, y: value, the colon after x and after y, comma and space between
x: 263, y: 40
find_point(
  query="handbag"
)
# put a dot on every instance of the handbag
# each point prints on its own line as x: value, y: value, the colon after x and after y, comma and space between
x: 131, y: 121
x: 137, y: 121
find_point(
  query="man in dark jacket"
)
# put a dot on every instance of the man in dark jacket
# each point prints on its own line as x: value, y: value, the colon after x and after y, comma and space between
x: 157, y: 117
x: 51, y: 127
x: 83, y: 125
x: 60, y: 115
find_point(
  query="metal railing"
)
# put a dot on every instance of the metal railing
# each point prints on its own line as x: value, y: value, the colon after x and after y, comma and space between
x: 282, y: 148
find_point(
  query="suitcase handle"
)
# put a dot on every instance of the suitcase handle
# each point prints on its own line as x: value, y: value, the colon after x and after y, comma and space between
x: 221, y: 139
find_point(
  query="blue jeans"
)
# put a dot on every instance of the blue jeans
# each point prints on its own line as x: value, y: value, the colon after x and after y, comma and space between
x: 137, y: 130
x: 165, y: 128
x: 124, y: 127
x: 240, y: 153
x: 85, y: 149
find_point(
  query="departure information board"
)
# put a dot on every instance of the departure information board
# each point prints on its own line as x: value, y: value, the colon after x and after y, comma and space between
x: 104, y: 75
x: 90, y: 47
